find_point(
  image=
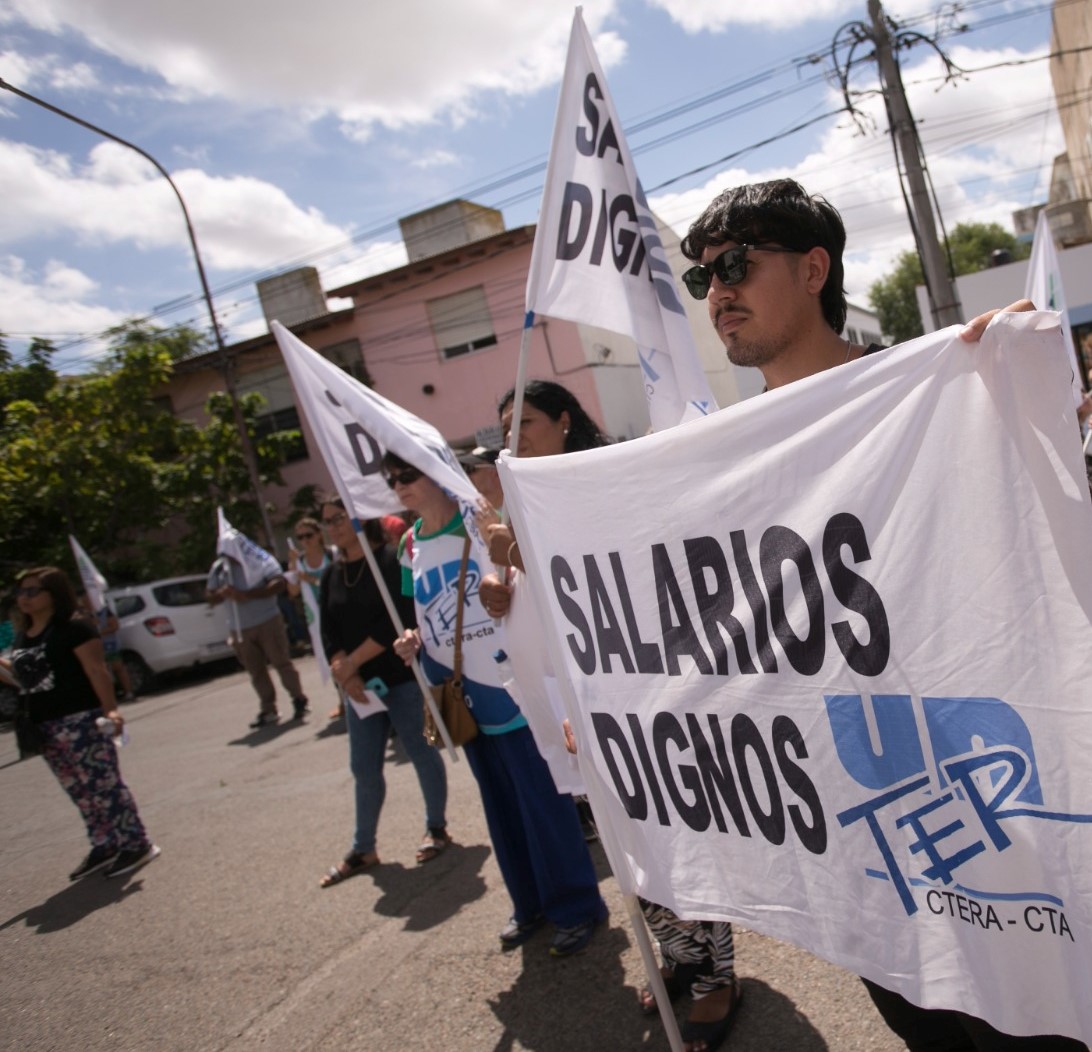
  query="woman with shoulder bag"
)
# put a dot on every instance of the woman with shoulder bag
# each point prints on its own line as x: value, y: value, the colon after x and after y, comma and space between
x: 66, y: 687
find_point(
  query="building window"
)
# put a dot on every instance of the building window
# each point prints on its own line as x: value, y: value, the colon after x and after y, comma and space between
x: 461, y: 322
x: 287, y: 419
x: 346, y: 355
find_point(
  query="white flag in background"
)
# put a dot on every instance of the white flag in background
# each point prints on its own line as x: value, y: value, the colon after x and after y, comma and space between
x: 258, y: 565
x: 597, y: 258
x: 94, y: 584
x: 1044, y: 289
x: 354, y: 427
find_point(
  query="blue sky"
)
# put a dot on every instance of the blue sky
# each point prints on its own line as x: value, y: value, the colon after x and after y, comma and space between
x: 300, y: 133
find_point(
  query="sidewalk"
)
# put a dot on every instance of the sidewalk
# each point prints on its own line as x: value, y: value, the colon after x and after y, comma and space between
x: 228, y: 943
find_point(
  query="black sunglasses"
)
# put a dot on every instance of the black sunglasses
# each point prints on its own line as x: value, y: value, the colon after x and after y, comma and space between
x: 30, y: 591
x: 405, y: 477
x: 730, y: 266
x: 305, y: 536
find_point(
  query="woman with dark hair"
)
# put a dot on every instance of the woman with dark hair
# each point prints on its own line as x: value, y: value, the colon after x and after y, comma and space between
x: 59, y: 662
x: 357, y: 634
x: 552, y: 421
x: 698, y: 956
x: 534, y: 829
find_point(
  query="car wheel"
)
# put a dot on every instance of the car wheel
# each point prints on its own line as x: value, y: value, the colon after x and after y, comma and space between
x: 140, y: 676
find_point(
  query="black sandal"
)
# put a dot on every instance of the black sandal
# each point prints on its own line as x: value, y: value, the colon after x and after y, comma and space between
x: 677, y: 984
x: 714, y: 1033
x: 350, y: 866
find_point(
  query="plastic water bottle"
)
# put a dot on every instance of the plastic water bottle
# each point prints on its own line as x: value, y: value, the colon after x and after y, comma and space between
x: 106, y: 725
x: 504, y: 669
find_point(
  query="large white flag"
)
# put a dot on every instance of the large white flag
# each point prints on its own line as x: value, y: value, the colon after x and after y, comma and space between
x: 354, y: 427
x: 257, y: 564
x: 94, y: 584
x: 835, y: 686
x: 1044, y: 288
x: 597, y: 257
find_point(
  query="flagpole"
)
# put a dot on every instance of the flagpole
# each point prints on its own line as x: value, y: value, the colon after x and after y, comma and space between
x: 521, y: 381
x: 399, y: 628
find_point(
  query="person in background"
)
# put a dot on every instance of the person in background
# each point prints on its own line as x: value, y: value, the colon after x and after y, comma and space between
x: 535, y: 829
x: 357, y: 635
x: 308, y: 559
x: 259, y: 636
x: 698, y: 956
x: 481, y: 465
x: 768, y: 260
x: 57, y: 658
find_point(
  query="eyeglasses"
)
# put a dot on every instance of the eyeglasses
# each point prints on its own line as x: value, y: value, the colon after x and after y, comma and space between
x: 335, y: 520
x: 730, y: 266
x: 30, y: 591
x: 305, y: 536
x: 405, y: 477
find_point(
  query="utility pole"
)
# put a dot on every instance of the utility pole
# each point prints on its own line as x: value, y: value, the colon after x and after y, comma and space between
x: 227, y: 366
x: 943, y: 297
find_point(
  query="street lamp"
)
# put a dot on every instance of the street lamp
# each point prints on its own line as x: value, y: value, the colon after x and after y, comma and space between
x: 227, y: 366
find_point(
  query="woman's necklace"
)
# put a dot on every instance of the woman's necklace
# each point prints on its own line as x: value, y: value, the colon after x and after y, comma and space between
x: 345, y: 573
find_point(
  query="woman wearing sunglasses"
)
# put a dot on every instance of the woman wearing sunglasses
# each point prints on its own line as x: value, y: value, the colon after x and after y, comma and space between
x: 59, y: 662
x: 357, y: 636
x: 698, y: 956
x: 535, y: 830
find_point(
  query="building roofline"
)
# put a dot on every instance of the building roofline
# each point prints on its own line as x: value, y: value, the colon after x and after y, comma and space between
x: 210, y: 359
x: 516, y: 236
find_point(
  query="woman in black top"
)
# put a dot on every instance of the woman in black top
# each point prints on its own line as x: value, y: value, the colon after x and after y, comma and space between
x: 357, y: 634
x: 65, y: 686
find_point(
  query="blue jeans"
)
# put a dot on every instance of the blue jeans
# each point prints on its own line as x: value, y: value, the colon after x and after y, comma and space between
x: 367, y: 747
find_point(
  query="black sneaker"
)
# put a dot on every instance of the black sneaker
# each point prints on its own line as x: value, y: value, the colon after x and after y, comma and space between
x: 515, y: 933
x: 263, y: 719
x: 127, y: 861
x: 299, y: 708
x: 97, y: 858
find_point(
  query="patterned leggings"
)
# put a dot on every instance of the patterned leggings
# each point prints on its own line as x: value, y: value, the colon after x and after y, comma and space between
x: 705, y: 943
x: 85, y: 762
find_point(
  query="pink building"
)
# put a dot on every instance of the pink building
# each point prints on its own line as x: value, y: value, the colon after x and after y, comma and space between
x: 440, y: 336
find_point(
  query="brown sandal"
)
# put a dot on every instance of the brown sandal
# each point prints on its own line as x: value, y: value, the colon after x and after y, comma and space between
x: 350, y: 866
x: 434, y: 844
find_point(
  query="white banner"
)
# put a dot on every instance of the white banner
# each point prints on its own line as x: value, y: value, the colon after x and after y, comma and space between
x: 312, y: 615
x: 597, y: 257
x: 1044, y: 289
x: 354, y: 427
x: 827, y: 657
x: 257, y: 564
x: 94, y: 584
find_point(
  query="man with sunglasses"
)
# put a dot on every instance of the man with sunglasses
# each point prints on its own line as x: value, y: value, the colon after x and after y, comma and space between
x: 768, y: 258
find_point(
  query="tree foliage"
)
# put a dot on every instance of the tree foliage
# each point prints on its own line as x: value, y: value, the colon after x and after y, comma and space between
x: 101, y: 456
x: 971, y: 246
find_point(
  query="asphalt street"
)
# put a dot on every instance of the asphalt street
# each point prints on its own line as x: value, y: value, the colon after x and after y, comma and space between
x: 227, y: 942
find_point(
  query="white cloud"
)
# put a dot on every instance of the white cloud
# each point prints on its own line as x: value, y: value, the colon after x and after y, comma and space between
x: 700, y: 16
x: 52, y: 303
x: 370, y: 64
x: 987, y: 142
x: 116, y: 197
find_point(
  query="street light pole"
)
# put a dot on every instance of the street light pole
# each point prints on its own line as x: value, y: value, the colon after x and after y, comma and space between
x: 227, y: 366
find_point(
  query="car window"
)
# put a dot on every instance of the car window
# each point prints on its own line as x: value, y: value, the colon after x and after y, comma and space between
x: 181, y: 593
x: 124, y: 605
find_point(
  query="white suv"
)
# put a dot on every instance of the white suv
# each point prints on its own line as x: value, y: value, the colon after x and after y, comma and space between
x: 168, y: 625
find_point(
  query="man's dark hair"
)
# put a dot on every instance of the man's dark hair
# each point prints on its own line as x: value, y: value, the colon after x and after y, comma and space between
x: 783, y: 212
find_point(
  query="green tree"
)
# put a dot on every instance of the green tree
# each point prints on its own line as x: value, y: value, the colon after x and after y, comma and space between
x: 971, y: 246
x: 100, y: 456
